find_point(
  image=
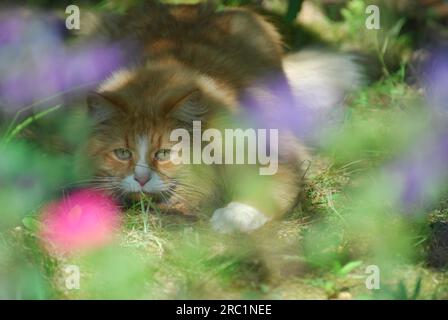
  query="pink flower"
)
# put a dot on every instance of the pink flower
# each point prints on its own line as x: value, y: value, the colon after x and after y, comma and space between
x: 80, y: 222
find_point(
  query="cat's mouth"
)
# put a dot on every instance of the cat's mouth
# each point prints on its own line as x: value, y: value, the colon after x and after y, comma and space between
x: 153, y: 197
x: 157, y: 196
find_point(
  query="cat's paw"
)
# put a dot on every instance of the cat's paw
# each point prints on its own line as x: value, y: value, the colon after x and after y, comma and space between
x: 237, y: 217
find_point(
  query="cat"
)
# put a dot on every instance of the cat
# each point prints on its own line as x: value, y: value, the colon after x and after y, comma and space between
x: 203, y: 64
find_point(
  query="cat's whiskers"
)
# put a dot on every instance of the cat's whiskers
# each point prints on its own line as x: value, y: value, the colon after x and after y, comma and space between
x: 175, y: 195
x: 92, y: 183
x: 189, y: 188
x: 165, y: 198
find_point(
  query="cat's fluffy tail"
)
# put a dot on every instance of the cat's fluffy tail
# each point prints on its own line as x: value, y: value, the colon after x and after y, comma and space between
x: 321, y: 80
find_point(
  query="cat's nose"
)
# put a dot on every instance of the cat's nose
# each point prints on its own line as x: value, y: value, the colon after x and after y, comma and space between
x: 142, y: 179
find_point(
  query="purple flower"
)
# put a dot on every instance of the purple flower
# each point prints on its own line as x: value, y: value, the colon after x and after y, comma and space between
x: 436, y: 81
x: 421, y: 174
x: 36, y: 64
x: 10, y: 30
x: 272, y: 103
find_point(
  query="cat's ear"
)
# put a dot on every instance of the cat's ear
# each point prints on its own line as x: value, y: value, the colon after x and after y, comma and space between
x: 100, y: 108
x: 188, y: 108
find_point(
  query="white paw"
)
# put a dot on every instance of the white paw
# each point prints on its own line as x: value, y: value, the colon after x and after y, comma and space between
x: 237, y: 217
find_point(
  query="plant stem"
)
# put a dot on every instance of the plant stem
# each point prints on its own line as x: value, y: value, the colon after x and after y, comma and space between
x: 25, y: 123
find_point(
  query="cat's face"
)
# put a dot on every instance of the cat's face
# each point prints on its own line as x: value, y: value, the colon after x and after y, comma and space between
x: 133, y: 156
x: 134, y: 114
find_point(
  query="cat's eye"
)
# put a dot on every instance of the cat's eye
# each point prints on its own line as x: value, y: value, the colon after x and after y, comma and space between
x: 123, y: 154
x: 163, y: 155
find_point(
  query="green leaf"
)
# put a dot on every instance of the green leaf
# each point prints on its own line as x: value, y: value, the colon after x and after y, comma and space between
x: 417, y: 289
x: 293, y: 10
x: 349, y: 267
x: 31, y: 223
